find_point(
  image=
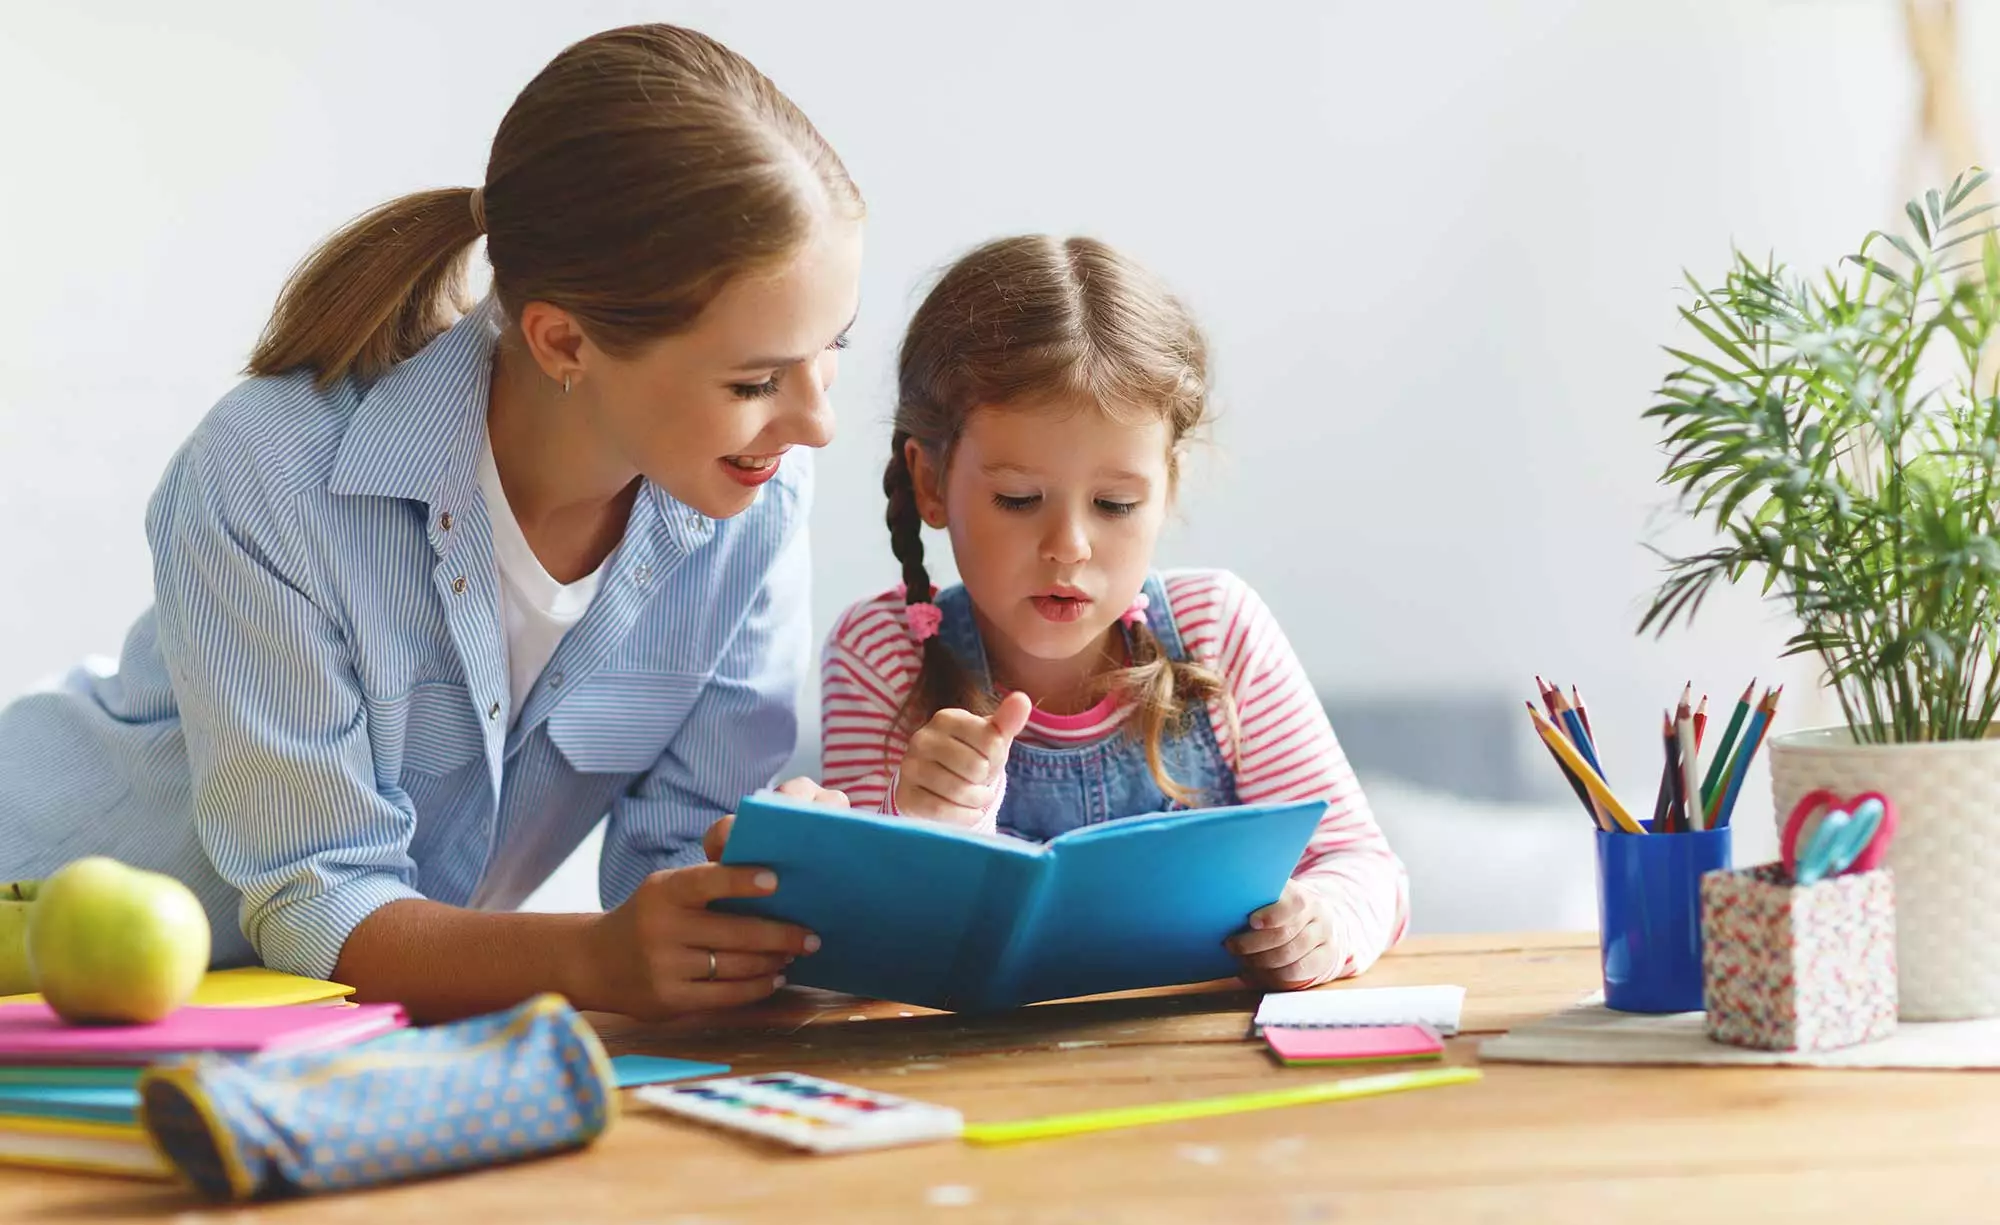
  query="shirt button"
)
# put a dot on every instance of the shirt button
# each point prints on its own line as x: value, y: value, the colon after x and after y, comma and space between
x: 444, y: 521
x: 555, y: 680
x: 493, y: 711
x: 643, y: 575
x: 458, y: 585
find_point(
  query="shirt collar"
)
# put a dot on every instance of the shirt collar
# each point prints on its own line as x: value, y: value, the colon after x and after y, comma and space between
x: 418, y: 431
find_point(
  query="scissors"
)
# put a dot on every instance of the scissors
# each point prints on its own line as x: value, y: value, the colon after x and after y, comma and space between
x: 1827, y: 836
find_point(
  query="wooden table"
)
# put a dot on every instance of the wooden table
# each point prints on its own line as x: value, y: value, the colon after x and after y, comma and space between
x: 1535, y: 1144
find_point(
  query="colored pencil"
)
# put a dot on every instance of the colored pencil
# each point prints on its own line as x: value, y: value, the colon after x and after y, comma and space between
x: 1582, y: 713
x: 1720, y: 763
x: 1590, y: 807
x: 1572, y: 722
x: 1692, y: 817
x: 1569, y: 721
x: 1753, y: 739
x: 1590, y: 738
x: 1665, y: 794
x: 1599, y: 790
x: 1684, y: 821
x: 1665, y: 817
x: 1576, y: 785
x: 1700, y: 720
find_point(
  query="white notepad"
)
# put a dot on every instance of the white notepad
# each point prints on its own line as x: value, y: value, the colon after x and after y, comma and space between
x: 1437, y: 1007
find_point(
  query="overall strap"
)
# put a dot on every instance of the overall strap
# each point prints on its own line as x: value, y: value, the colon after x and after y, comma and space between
x: 1160, y: 619
x: 959, y: 631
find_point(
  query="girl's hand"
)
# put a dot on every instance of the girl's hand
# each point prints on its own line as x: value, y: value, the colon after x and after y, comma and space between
x: 652, y: 957
x: 955, y: 763
x: 807, y: 791
x: 1290, y: 943
x: 717, y: 835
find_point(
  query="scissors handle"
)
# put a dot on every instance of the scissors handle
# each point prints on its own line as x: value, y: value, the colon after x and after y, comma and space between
x: 1812, y: 804
x: 1827, y: 836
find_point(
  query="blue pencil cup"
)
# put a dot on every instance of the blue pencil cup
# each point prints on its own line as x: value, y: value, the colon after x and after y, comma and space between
x: 1649, y: 916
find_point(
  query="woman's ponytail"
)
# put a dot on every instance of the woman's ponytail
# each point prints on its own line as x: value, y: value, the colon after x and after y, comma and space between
x: 638, y: 173
x: 376, y: 292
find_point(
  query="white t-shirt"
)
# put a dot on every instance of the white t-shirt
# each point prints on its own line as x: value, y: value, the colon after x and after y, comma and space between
x: 535, y: 609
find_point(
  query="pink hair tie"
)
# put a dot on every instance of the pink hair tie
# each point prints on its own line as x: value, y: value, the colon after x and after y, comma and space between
x: 923, y: 619
x: 1136, y: 614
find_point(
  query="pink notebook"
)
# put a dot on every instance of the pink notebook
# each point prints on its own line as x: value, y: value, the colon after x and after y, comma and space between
x: 31, y: 1033
x: 1365, y: 1044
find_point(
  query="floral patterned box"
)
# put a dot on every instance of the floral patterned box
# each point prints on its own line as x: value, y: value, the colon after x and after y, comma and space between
x: 1788, y: 968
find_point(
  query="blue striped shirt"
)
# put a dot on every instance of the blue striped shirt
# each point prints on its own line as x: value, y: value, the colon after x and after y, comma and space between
x: 311, y: 720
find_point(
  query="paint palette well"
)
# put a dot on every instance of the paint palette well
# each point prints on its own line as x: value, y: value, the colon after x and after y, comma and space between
x: 821, y: 1116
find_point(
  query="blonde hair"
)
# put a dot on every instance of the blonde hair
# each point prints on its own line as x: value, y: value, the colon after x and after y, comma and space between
x: 1032, y: 318
x: 638, y: 173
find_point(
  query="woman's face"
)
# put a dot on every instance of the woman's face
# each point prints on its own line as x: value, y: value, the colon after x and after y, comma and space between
x: 709, y: 413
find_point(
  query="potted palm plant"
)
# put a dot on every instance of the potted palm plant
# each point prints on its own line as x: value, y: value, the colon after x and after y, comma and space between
x: 1840, y: 431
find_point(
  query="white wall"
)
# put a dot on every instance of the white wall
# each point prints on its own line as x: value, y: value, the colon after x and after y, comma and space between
x: 1437, y: 247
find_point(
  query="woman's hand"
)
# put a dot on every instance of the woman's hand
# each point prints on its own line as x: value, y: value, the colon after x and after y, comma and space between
x: 664, y: 952
x: 953, y: 768
x: 1290, y: 943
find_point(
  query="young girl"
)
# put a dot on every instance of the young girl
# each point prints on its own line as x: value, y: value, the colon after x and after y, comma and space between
x: 1047, y: 390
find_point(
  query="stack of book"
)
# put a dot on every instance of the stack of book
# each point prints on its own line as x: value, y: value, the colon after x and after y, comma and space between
x: 69, y: 1095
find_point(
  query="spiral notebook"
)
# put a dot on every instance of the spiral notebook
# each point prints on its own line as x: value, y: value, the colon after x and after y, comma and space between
x: 1353, y: 1007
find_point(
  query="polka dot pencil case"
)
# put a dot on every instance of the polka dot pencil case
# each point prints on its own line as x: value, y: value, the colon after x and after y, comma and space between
x: 522, y: 1083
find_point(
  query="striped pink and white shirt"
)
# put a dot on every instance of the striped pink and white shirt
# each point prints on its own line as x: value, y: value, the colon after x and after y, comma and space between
x: 1287, y: 749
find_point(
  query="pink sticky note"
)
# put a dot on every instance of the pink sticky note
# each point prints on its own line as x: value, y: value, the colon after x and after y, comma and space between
x: 1362, y: 1044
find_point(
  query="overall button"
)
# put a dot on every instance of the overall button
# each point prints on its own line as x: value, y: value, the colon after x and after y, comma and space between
x: 493, y: 711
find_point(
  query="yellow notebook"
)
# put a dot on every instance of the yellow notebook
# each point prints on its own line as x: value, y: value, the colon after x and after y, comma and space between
x: 63, y: 1144
x: 249, y: 987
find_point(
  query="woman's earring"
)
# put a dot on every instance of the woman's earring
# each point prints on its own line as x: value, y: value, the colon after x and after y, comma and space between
x: 565, y: 384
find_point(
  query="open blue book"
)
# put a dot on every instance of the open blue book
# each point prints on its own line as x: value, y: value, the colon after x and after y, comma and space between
x: 925, y: 914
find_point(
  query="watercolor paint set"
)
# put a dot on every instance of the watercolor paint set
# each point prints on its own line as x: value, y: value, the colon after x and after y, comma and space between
x: 805, y: 1112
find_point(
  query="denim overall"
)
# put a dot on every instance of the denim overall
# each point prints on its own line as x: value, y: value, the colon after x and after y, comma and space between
x: 1054, y: 790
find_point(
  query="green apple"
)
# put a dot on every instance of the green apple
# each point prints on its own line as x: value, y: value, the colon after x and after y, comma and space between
x: 112, y: 943
x: 16, y: 898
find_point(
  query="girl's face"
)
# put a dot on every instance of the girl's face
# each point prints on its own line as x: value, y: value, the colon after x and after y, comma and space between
x: 1054, y: 509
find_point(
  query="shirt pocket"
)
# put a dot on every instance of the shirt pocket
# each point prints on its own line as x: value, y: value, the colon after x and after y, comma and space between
x: 441, y: 731
x: 620, y: 722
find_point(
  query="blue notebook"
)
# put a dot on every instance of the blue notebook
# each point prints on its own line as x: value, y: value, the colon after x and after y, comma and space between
x: 83, y: 1103
x: 925, y: 914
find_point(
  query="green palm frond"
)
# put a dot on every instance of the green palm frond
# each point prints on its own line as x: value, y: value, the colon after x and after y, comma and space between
x: 1835, y: 433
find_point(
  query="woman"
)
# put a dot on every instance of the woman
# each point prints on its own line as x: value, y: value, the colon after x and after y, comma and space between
x: 431, y: 598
